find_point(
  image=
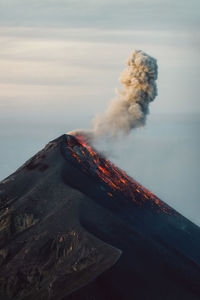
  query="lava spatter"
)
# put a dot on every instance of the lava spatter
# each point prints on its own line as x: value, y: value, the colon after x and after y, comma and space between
x: 93, y: 163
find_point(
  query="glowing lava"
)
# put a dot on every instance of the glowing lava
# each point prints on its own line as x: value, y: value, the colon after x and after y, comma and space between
x: 95, y: 164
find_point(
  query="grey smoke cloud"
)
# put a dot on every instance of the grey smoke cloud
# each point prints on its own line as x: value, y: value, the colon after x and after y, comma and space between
x: 130, y: 108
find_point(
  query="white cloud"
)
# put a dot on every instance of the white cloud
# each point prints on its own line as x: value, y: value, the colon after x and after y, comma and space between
x: 41, y: 66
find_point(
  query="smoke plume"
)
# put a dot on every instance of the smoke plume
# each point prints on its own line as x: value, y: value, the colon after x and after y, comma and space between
x: 131, y: 106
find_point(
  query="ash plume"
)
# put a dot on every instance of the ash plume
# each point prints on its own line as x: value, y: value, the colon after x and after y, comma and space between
x: 131, y: 106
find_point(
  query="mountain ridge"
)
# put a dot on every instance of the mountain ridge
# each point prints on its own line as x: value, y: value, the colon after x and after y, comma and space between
x: 63, y: 236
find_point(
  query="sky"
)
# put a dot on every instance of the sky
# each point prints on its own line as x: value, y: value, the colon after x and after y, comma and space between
x: 60, y: 63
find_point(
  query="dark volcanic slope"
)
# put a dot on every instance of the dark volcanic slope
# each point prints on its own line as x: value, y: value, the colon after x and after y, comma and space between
x: 74, y: 226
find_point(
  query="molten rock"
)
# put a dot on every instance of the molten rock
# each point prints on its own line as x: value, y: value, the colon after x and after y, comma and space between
x: 73, y: 226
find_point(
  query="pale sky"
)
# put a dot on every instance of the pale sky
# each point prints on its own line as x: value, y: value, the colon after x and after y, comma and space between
x: 117, y: 14
x: 60, y: 62
x: 56, y: 54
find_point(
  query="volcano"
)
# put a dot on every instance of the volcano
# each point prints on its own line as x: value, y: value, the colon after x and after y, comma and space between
x: 73, y: 226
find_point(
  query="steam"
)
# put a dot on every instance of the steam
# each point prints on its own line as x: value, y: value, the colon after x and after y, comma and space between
x: 131, y: 106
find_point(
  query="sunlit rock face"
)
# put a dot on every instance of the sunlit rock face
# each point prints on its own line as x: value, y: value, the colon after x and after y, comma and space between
x: 74, y: 226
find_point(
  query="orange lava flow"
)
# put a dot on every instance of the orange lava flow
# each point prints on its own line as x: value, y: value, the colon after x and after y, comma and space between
x: 117, y: 179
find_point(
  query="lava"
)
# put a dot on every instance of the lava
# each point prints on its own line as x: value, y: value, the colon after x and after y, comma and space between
x: 93, y: 163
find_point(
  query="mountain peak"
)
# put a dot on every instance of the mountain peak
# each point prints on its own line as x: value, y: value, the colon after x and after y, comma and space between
x: 72, y: 225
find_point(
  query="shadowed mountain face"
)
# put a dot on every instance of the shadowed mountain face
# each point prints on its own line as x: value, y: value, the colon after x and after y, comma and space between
x: 75, y: 227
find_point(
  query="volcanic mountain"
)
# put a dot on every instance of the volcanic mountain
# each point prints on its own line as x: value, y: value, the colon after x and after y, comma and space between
x: 73, y: 226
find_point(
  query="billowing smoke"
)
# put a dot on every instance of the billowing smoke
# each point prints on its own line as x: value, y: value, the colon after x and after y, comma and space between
x: 131, y: 106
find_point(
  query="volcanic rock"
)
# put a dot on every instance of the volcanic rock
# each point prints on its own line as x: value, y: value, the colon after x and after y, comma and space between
x: 73, y: 226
